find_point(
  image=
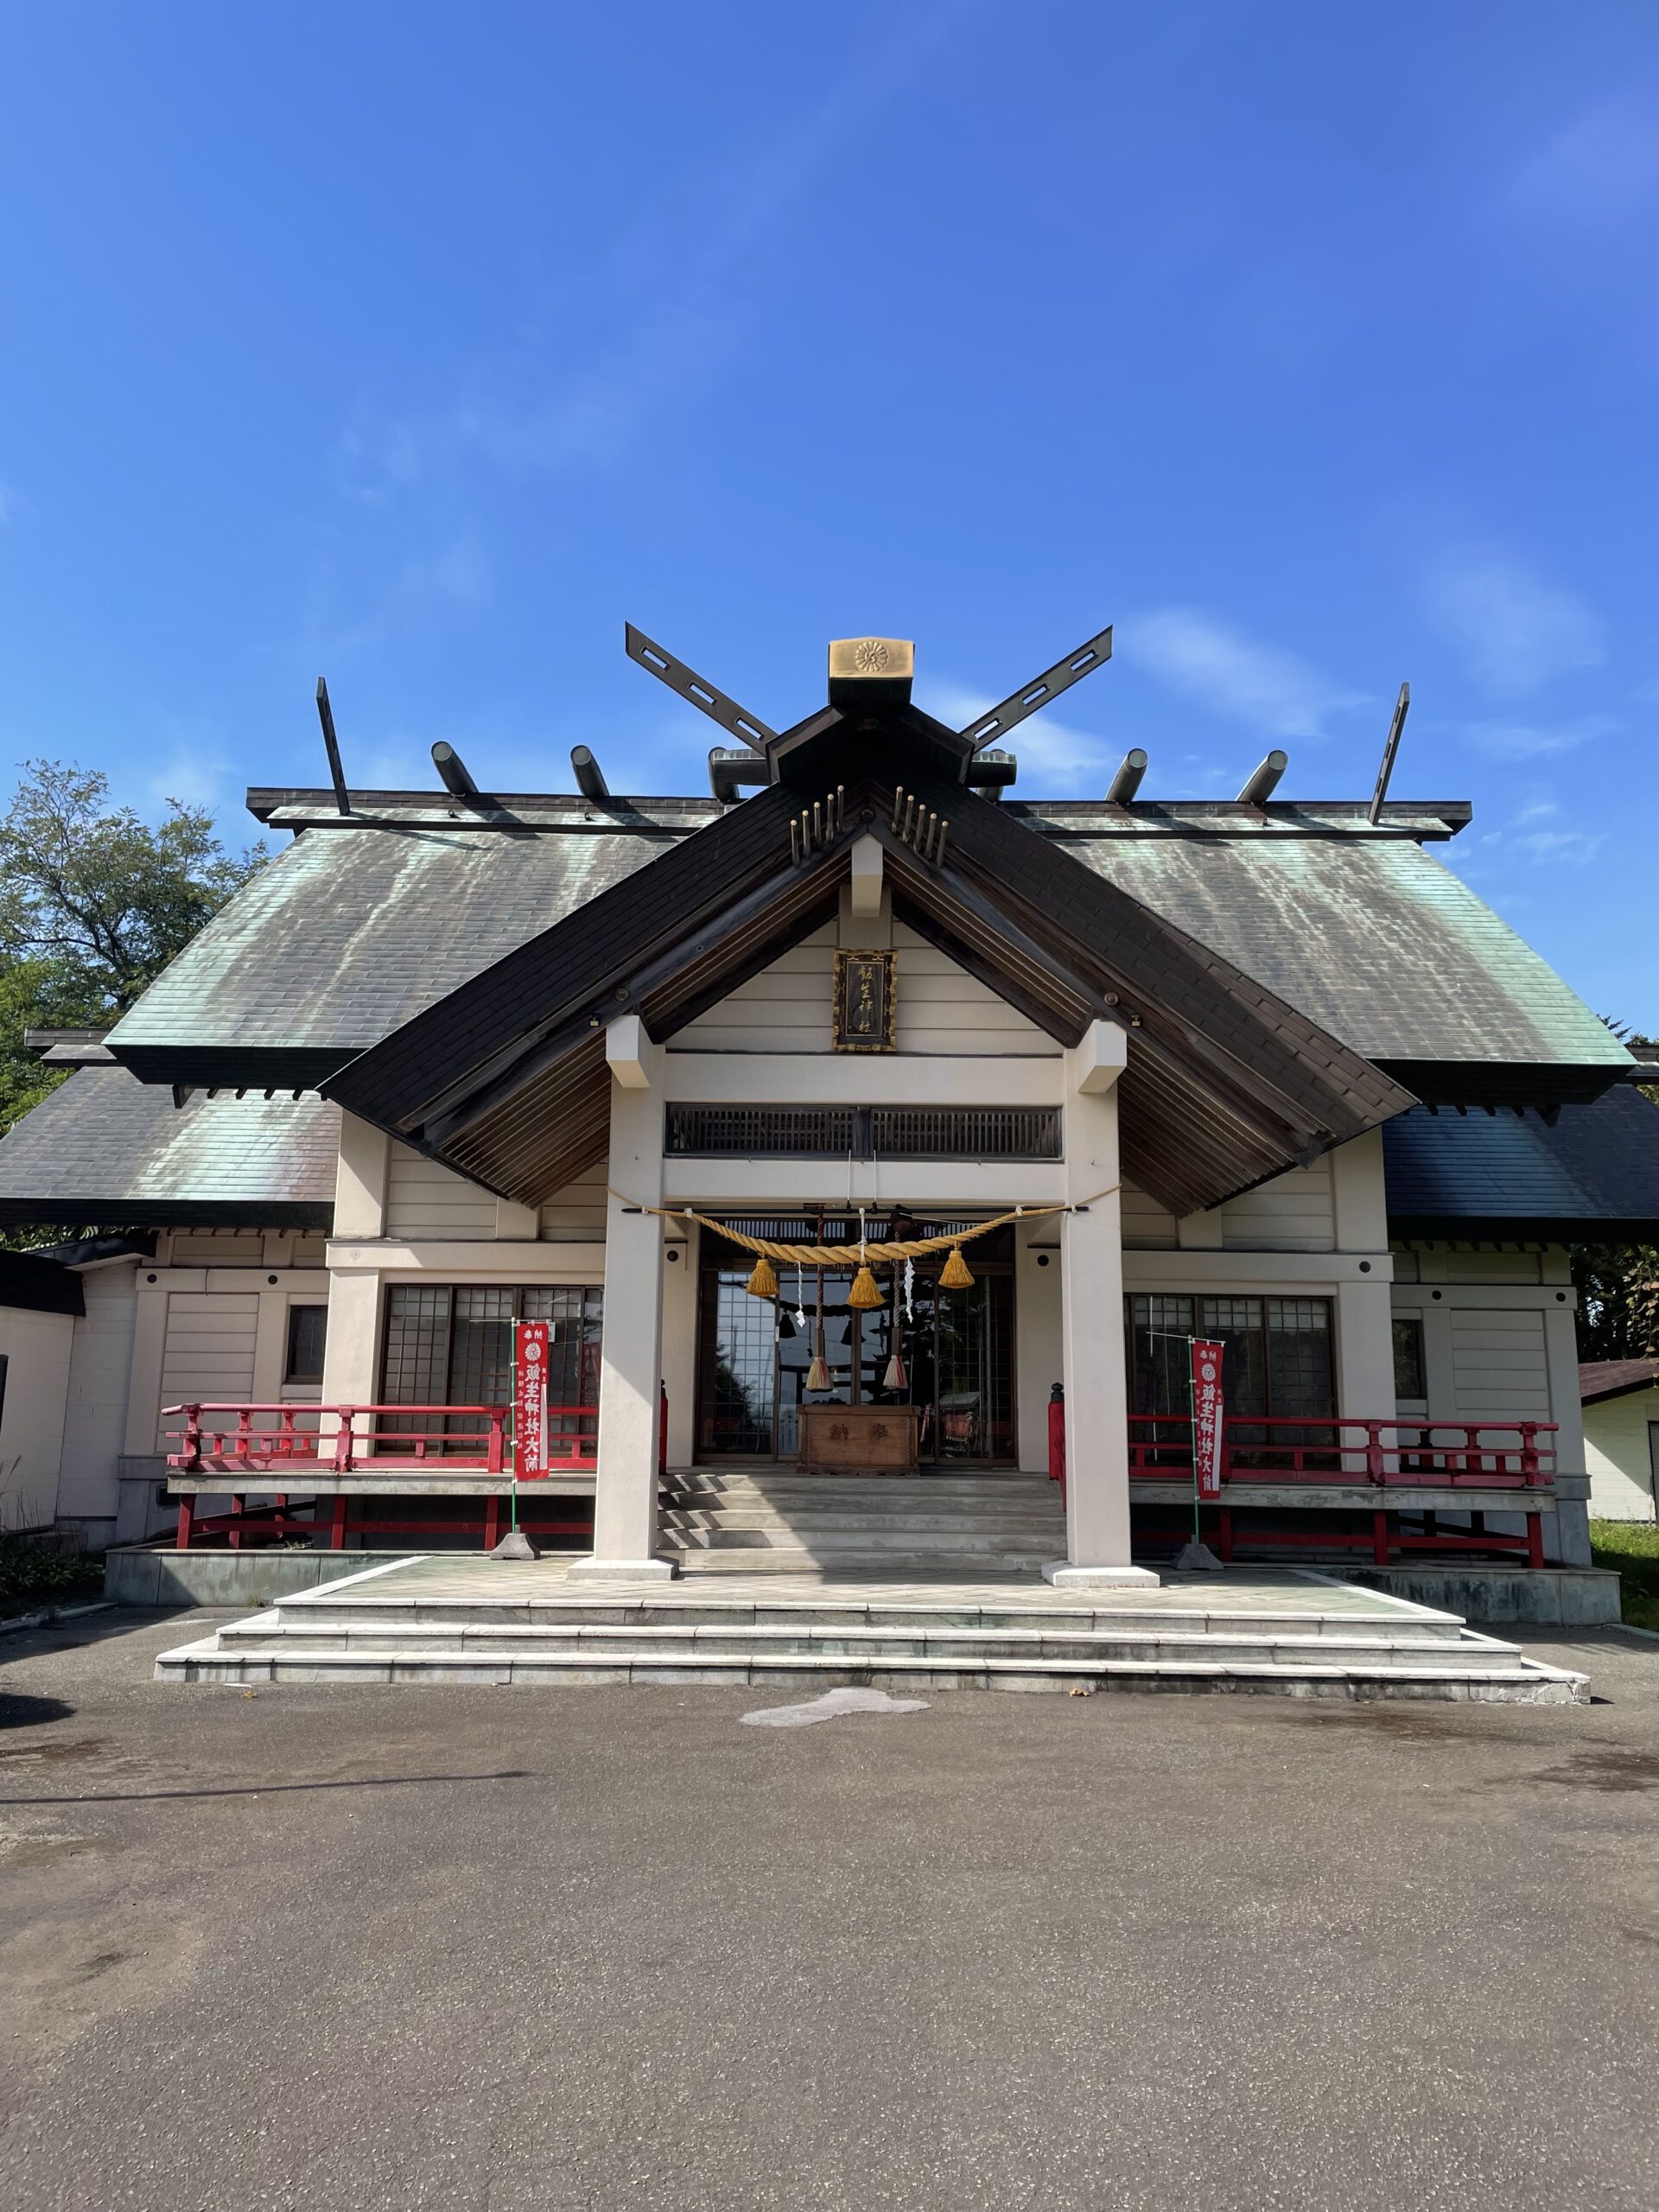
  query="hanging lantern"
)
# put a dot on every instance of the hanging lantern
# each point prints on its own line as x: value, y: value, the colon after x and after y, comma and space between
x: 895, y: 1378
x: 955, y: 1275
x: 763, y: 1283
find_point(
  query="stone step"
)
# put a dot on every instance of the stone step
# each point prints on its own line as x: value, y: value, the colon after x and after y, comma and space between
x: 874, y: 1643
x: 868, y: 1535
x: 859, y: 1511
x: 683, y: 1607
x: 870, y: 1494
x: 1443, y: 1676
x: 862, y: 1566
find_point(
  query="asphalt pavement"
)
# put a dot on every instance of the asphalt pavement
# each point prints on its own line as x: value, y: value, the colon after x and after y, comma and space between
x: 486, y: 1949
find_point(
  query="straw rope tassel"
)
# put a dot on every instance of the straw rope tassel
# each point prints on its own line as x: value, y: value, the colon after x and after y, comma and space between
x: 865, y: 1295
x: 955, y: 1274
x: 818, y: 1375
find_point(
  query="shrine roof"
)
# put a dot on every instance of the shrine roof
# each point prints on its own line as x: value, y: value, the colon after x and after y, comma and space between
x: 105, y: 1149
x: 366, y: 919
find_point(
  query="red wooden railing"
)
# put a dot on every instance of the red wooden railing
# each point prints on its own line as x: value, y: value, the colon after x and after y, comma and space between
x: 234, y: 1439
x: 1331, y: 1448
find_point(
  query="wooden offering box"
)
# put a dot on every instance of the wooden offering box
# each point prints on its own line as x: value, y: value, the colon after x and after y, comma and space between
x: 858, y: 1440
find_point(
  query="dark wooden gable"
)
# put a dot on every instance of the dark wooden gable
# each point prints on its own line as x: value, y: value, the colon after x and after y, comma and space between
x: 505, y: 1080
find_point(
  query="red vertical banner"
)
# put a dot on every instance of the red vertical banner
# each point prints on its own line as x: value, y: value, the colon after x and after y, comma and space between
x: 1207, y: 1416
x: 530, y: 1346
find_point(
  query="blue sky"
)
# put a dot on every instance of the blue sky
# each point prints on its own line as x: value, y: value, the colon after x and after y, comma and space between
x: 421, y: 346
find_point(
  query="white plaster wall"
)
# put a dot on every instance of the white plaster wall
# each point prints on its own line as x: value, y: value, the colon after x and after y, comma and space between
x: 1619, y: 1455
x: 217, y: 1247
x: 37, y: 1350
x: 941, y: 1007
x: 1292, y: 1213
x: 100, y: 1380
x: 1335, y: 1204
x: 208, y: 1352
x: 576, y: 1215
x: 1147, y: 1225
x: 424, y: 1200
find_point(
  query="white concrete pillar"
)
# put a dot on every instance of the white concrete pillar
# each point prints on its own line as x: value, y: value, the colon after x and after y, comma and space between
x: 630, y: 1377
x: 1364, y: 1350
x: 1091, y: 1326
x: 351, y: 1351
x: 1039, y: 1357
x: 149, y: 1348
x: 1566, y: 1533
x: 680, y: 1343
x: 360, y: 1178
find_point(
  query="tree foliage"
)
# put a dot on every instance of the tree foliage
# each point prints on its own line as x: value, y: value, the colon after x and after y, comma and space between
x: 94, y: 902
x: 1618, y: 1301
x: 1618, y: 1284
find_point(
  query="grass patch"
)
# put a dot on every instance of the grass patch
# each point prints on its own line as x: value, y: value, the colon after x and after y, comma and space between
x: 28, y: 1573
x: 1631, y: 1549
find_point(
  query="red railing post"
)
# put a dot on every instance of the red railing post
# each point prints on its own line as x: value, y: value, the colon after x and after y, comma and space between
x: 1375, y: 1470
x: 187, y: 1519
x: 662, y: 1431
x: 496, y: 1455
x: 343, y: 1440
x: 193, y: 1437
x: 1534, y: 1540
x: 1057, y: 1437
x: 1529, y: 1454
x: 1380, y: 1539
x: 337, y: 1523
x: 236, y: 1515
x: 492, y: 1522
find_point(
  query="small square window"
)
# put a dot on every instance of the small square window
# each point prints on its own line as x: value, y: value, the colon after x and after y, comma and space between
x: 1409, y: 1380
x: 307, y: 1326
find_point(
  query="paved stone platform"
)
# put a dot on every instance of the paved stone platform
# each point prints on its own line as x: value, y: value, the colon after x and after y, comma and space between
x: 452, y: 1618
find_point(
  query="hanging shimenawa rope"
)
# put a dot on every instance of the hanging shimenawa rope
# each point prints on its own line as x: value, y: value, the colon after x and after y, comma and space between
x: 953, y: 1275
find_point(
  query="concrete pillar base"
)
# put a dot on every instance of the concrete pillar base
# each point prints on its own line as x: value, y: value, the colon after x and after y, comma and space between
x: 621, y: 1570
x: 1064, y: 1576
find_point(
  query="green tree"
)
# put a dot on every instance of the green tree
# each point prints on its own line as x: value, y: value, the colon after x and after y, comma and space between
x: 1618, y: 1284
x: 94, y: 902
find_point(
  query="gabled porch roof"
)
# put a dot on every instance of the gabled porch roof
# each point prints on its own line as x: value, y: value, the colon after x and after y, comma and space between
x: 505, y: 1079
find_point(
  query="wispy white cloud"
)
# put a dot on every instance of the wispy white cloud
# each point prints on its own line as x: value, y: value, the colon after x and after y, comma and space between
x: 1274, y: 691
x: 1529, y: 740
x: 1573, y: 847
x: 1513, y: 630
x: 679, y: 301
x: 1050, y: 753
x: 376, y: 457
x: 1601, y: 166
x: 459, y: 572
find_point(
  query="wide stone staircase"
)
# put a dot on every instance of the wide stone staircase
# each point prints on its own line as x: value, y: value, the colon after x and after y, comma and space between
x: 462, y: 1619
x: 779, y: 1522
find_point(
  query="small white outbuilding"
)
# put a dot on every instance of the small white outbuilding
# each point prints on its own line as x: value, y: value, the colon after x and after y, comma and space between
x: 1621, y: 1437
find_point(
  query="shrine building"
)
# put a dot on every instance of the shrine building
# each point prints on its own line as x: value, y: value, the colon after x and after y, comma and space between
x: 875, y: 1143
